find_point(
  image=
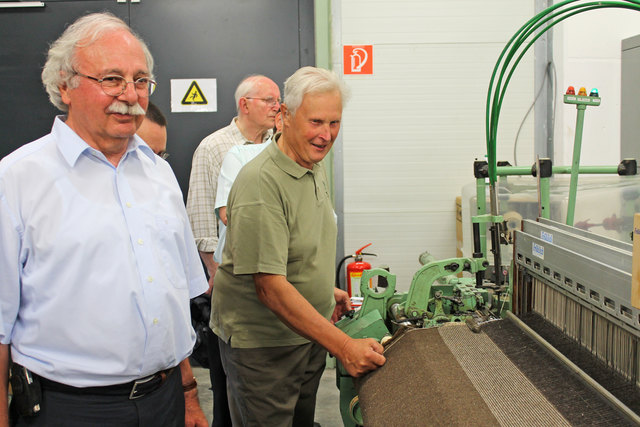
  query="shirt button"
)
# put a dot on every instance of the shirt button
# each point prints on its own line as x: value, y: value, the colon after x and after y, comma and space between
x: 155, y: 321
x: 149, y: 279
x: 128, y: 204
x: 140, y: 241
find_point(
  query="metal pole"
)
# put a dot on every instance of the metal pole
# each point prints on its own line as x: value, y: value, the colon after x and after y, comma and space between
x: 557, y: 170
x: 545, y: 202
x: 575, y: 164
x: 477, y: 252
x: 495, y: 235
x: 481, y: 209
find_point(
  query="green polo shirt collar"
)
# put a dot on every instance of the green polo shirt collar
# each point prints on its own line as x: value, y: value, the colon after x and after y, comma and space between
x: 287, y: 164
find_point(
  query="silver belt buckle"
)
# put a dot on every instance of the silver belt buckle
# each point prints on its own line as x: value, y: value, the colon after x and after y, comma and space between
x: 136, y: 383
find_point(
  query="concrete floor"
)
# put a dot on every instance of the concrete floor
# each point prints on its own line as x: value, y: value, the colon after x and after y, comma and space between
x: 327, y: 404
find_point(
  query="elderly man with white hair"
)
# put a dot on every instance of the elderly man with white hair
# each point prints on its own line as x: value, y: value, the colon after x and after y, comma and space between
x: 275, y: 298
x: 96, y: 252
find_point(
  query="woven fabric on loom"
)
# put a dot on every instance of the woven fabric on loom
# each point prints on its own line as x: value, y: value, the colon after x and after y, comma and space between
x: 421, y: 384
x: 450, y: 376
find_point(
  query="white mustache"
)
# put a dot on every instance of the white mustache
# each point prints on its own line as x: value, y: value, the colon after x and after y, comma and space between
x: 123, y: 108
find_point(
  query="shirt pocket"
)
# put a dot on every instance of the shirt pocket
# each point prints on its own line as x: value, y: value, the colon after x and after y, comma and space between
x: 171, y: 248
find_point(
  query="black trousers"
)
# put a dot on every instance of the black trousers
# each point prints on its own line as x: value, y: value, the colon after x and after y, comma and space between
x: 221, y: 415
x: 163, y: 407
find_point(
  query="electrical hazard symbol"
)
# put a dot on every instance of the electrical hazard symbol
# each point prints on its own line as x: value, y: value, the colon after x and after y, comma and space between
x: 194, y: 95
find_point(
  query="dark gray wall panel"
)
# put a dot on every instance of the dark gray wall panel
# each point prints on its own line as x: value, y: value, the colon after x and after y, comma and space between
x: 222, y: 39
x: 25, y: 34
x: 226, y: 40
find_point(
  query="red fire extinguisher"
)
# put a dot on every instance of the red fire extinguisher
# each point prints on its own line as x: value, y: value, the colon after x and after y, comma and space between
x: 354, y: 272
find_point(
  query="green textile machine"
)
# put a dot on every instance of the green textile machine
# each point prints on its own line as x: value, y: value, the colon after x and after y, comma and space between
x: 436, y: 296
x: 567, y: 290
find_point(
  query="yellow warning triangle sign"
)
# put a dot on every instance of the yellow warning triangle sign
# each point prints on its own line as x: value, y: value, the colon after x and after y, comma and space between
x: 194, y: 95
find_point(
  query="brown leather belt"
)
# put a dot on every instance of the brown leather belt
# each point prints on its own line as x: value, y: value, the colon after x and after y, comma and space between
x: 133, y: 389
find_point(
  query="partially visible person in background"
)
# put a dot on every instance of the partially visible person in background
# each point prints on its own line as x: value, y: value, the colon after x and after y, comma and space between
x: 153, y: 130
x: 236, y: 158
x: 257, y: 101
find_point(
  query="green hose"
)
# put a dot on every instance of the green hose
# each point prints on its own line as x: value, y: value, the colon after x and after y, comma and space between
x: 495, y: 95
x: 540, y: 23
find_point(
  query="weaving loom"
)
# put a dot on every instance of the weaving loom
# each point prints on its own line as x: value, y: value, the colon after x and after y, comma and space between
x: 552, y: 338
x: 569, y: 357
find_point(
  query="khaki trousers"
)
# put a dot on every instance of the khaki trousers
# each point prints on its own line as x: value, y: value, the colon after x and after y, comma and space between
x: 273, y: 386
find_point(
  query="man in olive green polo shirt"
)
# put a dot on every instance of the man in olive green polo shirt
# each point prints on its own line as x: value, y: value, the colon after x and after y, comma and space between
x: 275, y: 300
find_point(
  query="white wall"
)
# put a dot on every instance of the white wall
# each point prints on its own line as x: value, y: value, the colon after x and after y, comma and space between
x: 412, y: 130
x: 587, y: 53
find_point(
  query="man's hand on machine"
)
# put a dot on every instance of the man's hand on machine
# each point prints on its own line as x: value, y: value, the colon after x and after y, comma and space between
x: 360, y: 356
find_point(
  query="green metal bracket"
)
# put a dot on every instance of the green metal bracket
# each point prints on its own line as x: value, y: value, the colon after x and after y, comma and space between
x: 349, y: 406
x: 372, y: 300
x: 370, y: 325
x: 368, y: 322
x: 438, y: 313
x: 420, y: 291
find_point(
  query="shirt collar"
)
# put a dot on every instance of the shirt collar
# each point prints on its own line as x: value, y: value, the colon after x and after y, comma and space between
x: 238, y: 136
x: 287, y: 164
x: 72, y: 146
x: 138, y: 143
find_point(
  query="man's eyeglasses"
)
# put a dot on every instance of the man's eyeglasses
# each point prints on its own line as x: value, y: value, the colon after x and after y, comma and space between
x: 117, y: 85
x: 270, y: 101
x: 163, y: 154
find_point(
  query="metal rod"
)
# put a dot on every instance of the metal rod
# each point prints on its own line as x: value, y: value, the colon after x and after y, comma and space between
x: 481, y: 209
x: 539, y: 185
x: 513, y: 170
x: 557, y: 170
x: 575, y: 164
x: 495, y: 235
x: 545, y: 203
x: 572, y: 366
x: 477, y: 252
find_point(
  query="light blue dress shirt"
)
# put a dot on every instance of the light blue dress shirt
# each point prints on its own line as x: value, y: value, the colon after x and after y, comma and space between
x: 97, y: 263
x: 236, y: 158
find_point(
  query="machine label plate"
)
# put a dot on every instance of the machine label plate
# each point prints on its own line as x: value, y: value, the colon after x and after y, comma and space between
x: 547, y: 237
x: 537, y: 250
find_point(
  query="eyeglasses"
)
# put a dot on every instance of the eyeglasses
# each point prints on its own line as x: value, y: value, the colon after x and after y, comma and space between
x: 117, y: 85
x: 163, y: 155
x: 270, y: 101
